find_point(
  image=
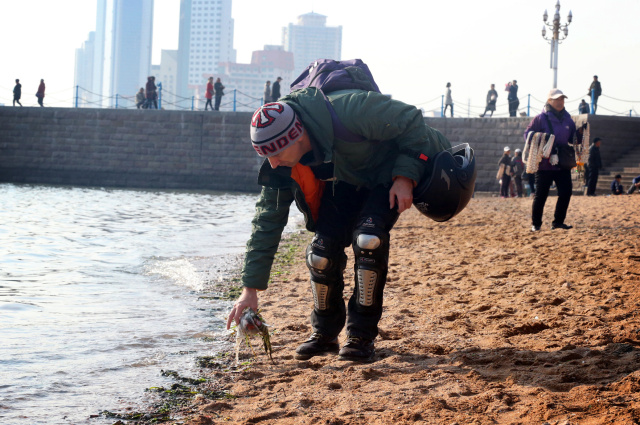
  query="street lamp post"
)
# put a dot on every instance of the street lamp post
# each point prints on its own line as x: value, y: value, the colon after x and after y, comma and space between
x: 555, y: 26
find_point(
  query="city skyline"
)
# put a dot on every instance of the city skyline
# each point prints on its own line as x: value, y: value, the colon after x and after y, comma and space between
x: 413, y: 49
x: 117, y: 55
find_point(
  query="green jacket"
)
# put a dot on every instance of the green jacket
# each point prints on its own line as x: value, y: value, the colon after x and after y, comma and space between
x: 396, y: 135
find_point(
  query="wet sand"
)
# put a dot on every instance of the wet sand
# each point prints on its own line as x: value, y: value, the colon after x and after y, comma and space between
x: 484, y: 323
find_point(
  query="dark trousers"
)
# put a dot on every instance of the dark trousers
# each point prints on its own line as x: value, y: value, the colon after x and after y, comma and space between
x: 41, y: 100
x: 544, y: 179
x: 218, y: 100
x: 489, y: 108
x: 504, y: 187
x: 444, y: 114
x: 208, y: 104
x: 518, y: 180
x: 592, y: 181
x: 586, y: 174
x: 16, y: 99
x: 531, y: 178
x: 345, y: 209
x: 150, y: 104
x: 513, y: 107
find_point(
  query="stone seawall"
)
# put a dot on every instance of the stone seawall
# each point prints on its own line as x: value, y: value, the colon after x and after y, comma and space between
x: 206, y: 150
x: 125, y: 148
x: 487, y: 137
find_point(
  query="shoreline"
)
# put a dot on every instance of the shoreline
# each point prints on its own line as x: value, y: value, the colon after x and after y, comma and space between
x: 484, y: 322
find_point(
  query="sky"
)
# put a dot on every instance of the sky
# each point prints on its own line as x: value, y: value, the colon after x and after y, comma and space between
x: 413, y: 47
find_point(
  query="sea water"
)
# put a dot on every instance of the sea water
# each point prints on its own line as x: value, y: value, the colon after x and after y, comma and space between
x: 99, y: 292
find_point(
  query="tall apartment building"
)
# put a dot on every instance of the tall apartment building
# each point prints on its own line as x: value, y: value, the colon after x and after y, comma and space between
x: 121, y: 50
x: 205, y: 40
x: 312, y: 39
x: 83, y: 75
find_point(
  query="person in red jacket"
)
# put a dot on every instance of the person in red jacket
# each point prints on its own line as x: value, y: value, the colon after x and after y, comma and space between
x: 40, y: 93
x: 209, y: 94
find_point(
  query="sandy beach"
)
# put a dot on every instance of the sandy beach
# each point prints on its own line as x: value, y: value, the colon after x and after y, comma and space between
x: 484, y: 322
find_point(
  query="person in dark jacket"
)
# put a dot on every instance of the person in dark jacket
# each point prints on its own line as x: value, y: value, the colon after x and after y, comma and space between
x: 517, y: 168
x: 349, y: 193
x: 595, y: 90
x: 554, y: 119
x: 208, y: 94
x: 17, y: 93
x: 492, y: 98
x: 594, y: 165
x: 635, y: 184
x: 583, y: 108
x: 218, y: 90
x: 504, y: 172
x: 150, y: 91
x: 275, y: 90
x: 616, y: 185
x: 512, y: 97
x: 40, y: 93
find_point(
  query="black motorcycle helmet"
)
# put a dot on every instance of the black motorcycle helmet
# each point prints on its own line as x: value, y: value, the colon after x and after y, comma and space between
x: 447, y: 184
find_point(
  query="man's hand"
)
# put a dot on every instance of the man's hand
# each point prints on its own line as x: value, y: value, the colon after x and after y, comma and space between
x: 402, y: 192
x: 248, y: 298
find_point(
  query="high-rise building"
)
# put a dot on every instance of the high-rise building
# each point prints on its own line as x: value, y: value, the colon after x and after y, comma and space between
x: 311, y: 39
x: 166, y: 74
x: 205, y: 40
x: 121, y: 50
x: 83, y: 78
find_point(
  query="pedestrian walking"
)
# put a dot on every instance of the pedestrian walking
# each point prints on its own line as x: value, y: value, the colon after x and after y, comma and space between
x: 492, y: 98
x: 17, y: 93
x: 448, y: 101
x: 40, y: 93
x: 209, y: 94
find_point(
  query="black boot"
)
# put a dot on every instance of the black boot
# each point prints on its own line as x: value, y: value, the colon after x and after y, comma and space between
x: 316, y: 344
x: 358, y: 349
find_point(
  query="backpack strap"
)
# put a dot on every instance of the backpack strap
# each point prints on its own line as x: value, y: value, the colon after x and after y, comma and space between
x: 343, y: 133
x: 339, y: 129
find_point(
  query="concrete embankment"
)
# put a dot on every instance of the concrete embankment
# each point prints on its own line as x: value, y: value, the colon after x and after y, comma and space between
x: 211, y: 151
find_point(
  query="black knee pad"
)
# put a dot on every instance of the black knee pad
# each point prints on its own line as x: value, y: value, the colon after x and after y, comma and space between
x: 371, y: 251
x: 326, y: 261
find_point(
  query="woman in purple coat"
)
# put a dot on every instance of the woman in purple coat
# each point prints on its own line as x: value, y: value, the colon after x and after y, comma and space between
x: 556, y: 120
